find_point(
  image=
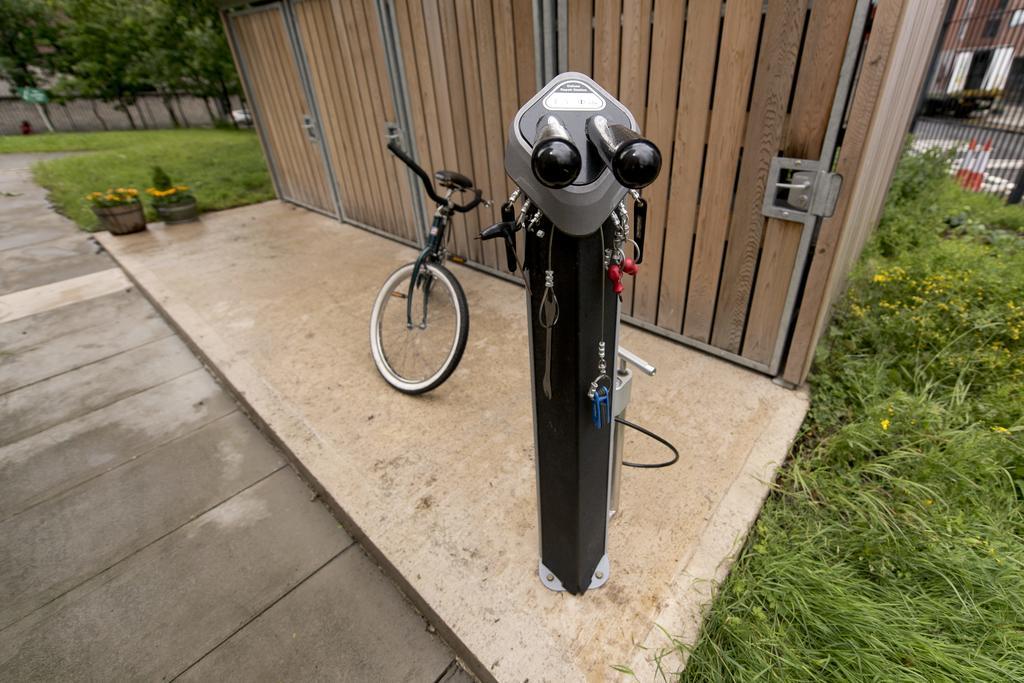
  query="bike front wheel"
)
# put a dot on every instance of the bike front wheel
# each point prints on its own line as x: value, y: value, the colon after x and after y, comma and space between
x: 416, y: 348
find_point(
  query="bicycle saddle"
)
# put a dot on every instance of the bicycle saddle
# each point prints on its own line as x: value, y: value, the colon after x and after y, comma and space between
x: 453, y: 180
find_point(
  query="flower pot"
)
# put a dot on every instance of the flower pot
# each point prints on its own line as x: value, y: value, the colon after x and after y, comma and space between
x: 122, y: 219
x: 178, y: 212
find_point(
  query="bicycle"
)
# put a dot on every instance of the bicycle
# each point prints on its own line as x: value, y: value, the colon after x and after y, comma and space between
x: 415, y: 348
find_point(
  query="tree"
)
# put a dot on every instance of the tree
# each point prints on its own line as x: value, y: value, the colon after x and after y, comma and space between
x: 28, y: 38
x: 103, y: 50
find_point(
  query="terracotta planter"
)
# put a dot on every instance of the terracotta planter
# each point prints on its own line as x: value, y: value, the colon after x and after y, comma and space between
x: 122, y: 220
x: 178, y: 212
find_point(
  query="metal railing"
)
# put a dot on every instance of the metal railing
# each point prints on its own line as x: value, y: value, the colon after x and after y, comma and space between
x: 973, y: 100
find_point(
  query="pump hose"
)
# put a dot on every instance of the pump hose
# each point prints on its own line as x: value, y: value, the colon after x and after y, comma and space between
x: 659, y: 439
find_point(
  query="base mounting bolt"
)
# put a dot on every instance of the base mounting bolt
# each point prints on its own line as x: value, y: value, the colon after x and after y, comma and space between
x: 599, y: 575
x: 551, y: 577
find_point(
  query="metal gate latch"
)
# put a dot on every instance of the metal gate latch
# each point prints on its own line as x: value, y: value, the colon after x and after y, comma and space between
x: 798, y: 188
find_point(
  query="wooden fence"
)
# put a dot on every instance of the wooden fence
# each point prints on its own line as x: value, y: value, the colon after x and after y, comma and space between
x: 723, y: 88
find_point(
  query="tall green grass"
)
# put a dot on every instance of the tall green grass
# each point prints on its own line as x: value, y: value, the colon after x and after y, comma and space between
x: 224, y: 168
x: 893, y: 545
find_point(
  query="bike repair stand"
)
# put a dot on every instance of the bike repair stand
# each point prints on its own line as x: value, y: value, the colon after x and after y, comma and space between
x: 574, y: 151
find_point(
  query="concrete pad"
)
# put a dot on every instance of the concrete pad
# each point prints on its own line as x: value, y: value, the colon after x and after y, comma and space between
x: 72, y: 336
x: 51, y: 261
x: 54, y: 460
x: 441, y: 487
x: 53, y: 547
x: 47, y: 403
x: 153, y: 615
x: 46, y: 297
x: 345, y: 623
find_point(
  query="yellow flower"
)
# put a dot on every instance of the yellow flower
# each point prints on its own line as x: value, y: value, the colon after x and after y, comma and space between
x: 880, y: 277
x: 885, y: 424
x: 181, y: 188
x: 1000, y: 430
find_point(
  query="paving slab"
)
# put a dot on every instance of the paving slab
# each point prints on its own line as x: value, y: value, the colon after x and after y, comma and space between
x: 80, y: 391
x: 72, y: 336
x: 25, y: 217
x: 153, y: 615
x: 28, y: 302
x: 53, y: 547
x: 52, y: 461
x: 26, y: 333
x: 441, y: 487
x: 344, y: 623
x: 50, y: 261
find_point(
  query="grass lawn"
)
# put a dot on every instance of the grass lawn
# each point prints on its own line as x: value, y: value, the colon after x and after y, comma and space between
x: 893, y: 545
x: 224, y: 168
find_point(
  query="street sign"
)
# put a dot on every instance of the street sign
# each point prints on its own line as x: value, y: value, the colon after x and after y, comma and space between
x: 33, y: 95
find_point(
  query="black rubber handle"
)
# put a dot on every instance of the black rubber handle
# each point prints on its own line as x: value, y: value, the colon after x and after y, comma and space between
x: 427, y: 184
x: 478, y: 197
x: 635, y: 161
x: 555, y: 161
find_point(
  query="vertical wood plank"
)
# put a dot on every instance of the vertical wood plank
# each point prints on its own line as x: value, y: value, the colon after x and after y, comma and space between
x: 234, y: 40
x: 634, y: 77
x: 295, y: 106
x: 269, y: 58
x: 494, y: 133
x: 526, y: 56
x: 370, y: 159
x: 607, y: 37
x: 816, y: 84
x: 783, y: 29
x: 317, y: 32
x: 460, y: 116
x: 580, y: 26
x: 398, y: 190
x: 703, y: 21
x: 443, y: 97
x: 735, y: 67
x: 377, y: 113
x: 663, y: 90
x: 480, y: 168
x: 423, y: 107
x: 358, y: 93
x: 880, y: 115
x: 508, y: 83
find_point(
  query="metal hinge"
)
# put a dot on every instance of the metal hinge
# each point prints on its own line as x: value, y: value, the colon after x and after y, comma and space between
x: 798, y: 188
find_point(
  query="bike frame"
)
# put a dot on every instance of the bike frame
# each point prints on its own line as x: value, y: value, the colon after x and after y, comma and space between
x: 432, y: 253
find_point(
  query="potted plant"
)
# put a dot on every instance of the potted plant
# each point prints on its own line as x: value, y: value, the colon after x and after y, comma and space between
x: 173, y: 203
x: 119, y: 210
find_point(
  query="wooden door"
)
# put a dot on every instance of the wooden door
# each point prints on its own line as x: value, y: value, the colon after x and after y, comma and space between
x: 722, y: 89
x: 341, y: 42
x: 283, y: 114
x: 469, y: 65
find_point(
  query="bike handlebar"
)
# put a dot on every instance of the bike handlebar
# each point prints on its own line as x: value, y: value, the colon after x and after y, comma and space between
x: 428, y: 185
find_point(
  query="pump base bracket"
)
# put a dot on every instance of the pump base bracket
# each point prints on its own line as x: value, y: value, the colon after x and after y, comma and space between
x: 600, y: 578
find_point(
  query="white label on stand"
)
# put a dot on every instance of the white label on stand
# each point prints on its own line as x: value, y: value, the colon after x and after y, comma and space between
x: 573, y: 96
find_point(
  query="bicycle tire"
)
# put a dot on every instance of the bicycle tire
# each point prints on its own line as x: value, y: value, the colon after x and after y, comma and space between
x: 398, y: 282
